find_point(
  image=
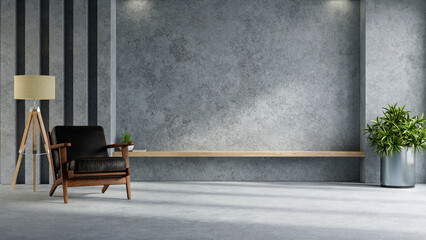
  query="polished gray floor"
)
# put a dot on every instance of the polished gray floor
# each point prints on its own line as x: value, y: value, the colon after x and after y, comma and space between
x: 216, y: 210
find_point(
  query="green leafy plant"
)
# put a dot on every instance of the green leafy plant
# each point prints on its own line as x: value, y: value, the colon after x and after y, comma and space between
x: 395, y: 130
x: 125, y: 134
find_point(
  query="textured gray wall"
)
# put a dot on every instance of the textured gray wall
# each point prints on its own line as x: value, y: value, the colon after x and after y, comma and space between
x: 106, y: 73
x: 241, y: 75
x: 80, y: 24
x: 56, y: 62
x: 245, y: 169
x: 362, y: 121
x: 113, y: 69
x: 395, y: 67
x: 237, y: 75
x: 32, y: 67
x: 0, y: 86
x: 8, y: 109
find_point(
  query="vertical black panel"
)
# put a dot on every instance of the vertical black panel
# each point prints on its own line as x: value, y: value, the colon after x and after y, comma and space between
x: 20, y: 70
x: 93, y: 62
x: 44, y: 70
x: 68, y: 61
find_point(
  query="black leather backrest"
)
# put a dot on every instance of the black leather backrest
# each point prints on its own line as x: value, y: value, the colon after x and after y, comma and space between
x: 86, y: 141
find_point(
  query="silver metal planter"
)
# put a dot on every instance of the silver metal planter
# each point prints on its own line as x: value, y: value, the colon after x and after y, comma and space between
x: 399, y: 170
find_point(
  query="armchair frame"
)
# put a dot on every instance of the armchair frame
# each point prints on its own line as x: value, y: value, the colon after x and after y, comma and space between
x: 71, y: 179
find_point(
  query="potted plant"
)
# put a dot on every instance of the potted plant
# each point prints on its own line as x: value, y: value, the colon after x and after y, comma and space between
x: 126, y: 135
x: 397, y: 137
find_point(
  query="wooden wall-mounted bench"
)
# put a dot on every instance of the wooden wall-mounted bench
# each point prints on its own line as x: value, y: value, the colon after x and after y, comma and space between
x: 339, y: 154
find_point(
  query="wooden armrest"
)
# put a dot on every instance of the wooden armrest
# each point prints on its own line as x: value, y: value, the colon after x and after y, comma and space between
x: 124, y: 144
x: 60, y: 145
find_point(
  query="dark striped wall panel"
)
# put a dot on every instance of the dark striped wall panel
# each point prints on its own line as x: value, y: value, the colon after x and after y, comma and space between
x: 44, y: 70
x: 113, y: 71
x: 93, y: 62
x: 20, y: 70
x: 68, y: 39
x: 68, y: 62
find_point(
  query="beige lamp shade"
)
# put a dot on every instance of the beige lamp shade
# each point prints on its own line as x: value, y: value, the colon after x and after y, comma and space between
x: 40, y: 87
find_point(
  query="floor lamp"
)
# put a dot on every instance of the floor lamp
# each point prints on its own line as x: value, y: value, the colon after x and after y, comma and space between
x: 34, y: 87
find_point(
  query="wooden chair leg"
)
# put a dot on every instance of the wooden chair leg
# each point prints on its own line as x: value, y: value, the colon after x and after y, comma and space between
x: 105, y: 188
x: 54, y: 186
x: 65, y: 188
x: 129, y: 194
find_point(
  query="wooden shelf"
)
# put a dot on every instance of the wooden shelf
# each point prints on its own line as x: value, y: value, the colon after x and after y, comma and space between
x: 137, y: 153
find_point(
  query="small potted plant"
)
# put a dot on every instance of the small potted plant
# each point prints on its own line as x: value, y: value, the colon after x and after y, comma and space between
x: 397, y: 137
x: 126, y: 135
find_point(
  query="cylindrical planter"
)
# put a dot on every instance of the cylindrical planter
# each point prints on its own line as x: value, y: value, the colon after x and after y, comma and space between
x: 399, y: 170
x: 130, y: 148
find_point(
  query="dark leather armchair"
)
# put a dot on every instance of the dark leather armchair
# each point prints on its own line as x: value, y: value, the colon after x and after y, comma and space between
x: 80, y: 158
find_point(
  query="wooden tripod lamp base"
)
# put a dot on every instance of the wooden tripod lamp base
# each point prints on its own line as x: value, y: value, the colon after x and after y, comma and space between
x: 34, y: 87
x: 34, y: 119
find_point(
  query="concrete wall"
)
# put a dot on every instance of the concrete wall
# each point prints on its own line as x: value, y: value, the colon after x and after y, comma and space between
x: 7, y: 108
x: 106, y: 69
x: 394, y: 67
x: 229, y: 75
x: 106, y: 74
x: 249, y: 75
x: 241, y: 75
x: 32, y: 67
x: 245, y: 169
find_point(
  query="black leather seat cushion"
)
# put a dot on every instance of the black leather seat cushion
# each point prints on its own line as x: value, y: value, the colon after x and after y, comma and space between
x: 97, y: 165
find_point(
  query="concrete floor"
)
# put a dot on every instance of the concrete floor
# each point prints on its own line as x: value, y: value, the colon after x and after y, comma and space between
x: 216, y: 210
